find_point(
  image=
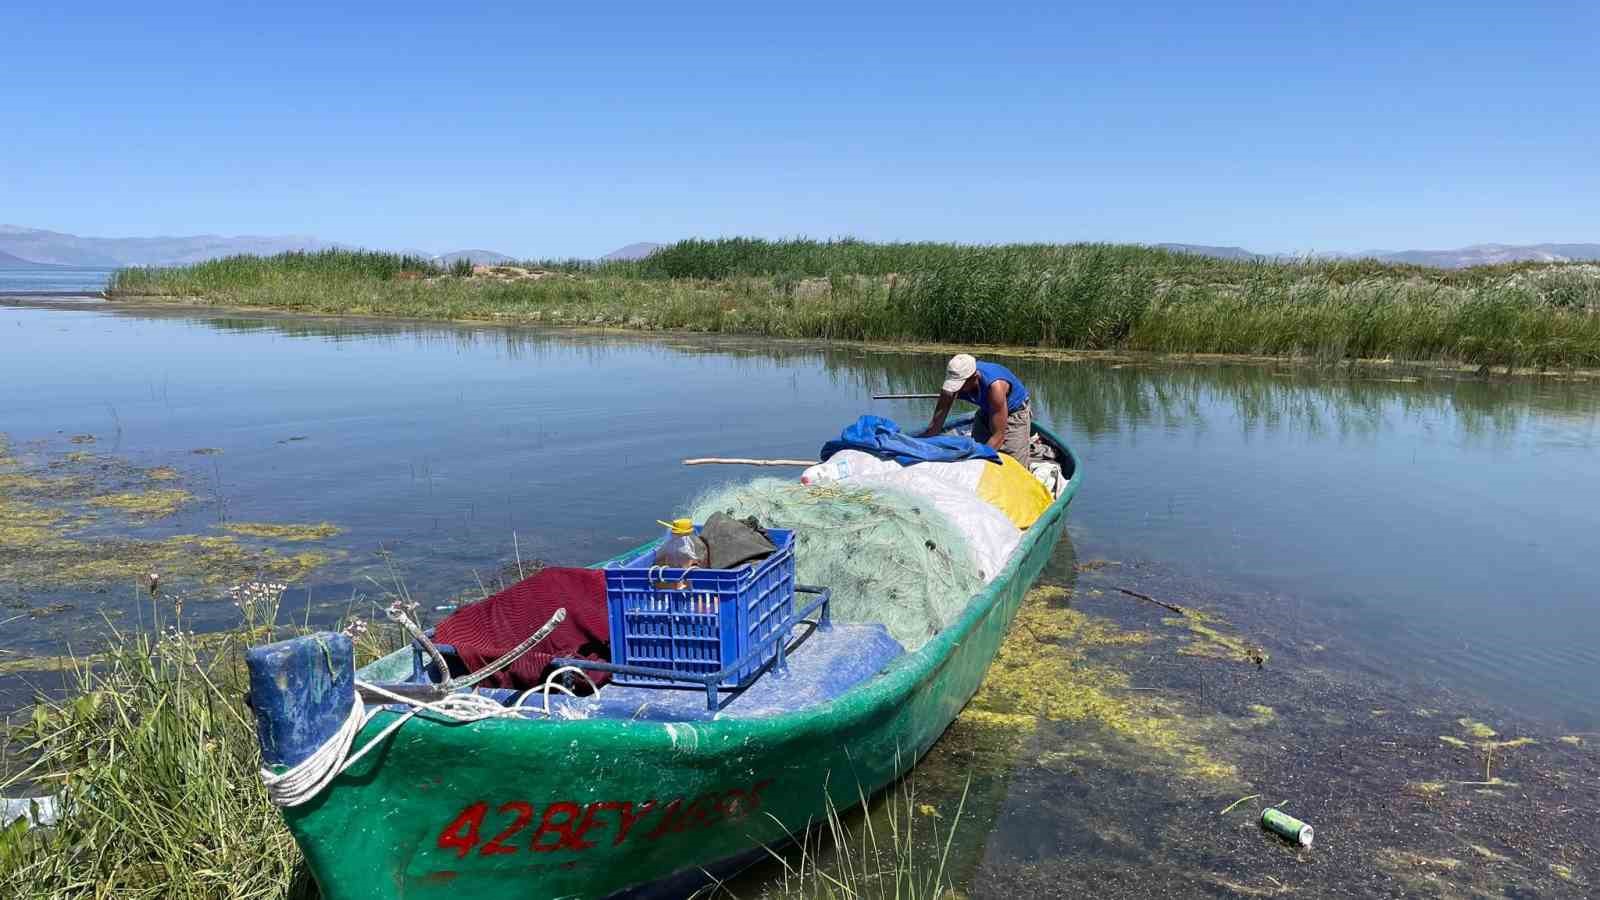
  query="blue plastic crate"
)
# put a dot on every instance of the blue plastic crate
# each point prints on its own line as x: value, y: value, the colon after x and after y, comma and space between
x: 706, y: 627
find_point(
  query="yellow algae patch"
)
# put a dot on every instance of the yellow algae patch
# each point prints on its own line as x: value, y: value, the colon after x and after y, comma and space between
x: 1042, y: 673
x: 1496, y: 781
x: 1562, y: 872
x: 1245, y: 890
x: 25, y: 525
x: 1263, y: 713
x: 40, y: 513
x: 13, y: 665
x: 1511, y: 744
x: 1490, y: 855
x: 13, y: 482
x: 211, y: 560
x: 1572, y: 739
x: 1401, y: 859
x: 155, y: 504
x: 1476, y: 729
x: 1207, y: 641
x: 296, y: 567
x: 1426, y: 788
x: 1013, y: 721
x: 1454, y: 741
x: 309, y: 532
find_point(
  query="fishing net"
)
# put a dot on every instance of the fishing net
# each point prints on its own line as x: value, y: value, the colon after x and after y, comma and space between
x: 889, y: 556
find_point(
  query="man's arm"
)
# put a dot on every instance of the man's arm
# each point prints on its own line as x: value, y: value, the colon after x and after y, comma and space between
x: 999, y: 395
x: 940, y: 411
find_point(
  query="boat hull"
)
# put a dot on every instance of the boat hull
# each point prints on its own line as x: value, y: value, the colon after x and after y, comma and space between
x: 514, y: 808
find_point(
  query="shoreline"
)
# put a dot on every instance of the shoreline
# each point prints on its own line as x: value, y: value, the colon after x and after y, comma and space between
x: 1444, y: 368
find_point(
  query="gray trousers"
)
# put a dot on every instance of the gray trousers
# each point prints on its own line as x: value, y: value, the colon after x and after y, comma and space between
x: 1019, y: 432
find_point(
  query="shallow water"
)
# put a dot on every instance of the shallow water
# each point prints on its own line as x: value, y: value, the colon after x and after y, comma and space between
x: 52, y: 279
x: 1385, y: 536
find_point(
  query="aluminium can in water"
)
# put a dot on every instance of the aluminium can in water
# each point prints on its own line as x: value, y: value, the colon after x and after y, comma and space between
x: 1287, y: 827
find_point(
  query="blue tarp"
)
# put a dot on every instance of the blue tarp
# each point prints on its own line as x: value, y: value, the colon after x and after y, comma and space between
x: 883, y: 438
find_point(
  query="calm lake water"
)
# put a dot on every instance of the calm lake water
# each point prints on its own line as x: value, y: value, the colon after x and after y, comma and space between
x: 1432, y: 535
x: 52, y: 279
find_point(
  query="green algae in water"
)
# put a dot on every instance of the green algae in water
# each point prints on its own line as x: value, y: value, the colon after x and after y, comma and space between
x: 1043, y: 674
x: 1206, y: 640
x: 139, y: 505
x: 319, y: 531
x: 43, y: 514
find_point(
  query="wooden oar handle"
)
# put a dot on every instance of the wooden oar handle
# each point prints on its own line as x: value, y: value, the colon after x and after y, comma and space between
x: 740, y: 461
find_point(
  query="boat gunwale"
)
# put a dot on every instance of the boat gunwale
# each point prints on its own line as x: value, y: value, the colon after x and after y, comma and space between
x: 882, y: 691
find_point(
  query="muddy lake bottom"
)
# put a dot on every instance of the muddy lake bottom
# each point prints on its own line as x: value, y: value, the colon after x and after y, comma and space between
x: 1405, y: 557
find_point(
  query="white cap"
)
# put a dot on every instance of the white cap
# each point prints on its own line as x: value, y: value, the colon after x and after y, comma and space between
x: 961, y: 367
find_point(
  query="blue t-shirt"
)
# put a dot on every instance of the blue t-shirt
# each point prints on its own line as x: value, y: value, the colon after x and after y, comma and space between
x: 988, y: 374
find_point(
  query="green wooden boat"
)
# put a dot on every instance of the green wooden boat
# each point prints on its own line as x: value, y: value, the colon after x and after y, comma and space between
x: 538, y: 808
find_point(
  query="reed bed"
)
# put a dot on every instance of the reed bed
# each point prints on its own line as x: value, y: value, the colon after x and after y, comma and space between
x: 1077, y: 296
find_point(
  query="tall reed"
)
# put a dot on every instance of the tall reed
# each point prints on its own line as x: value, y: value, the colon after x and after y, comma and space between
x: 1075, y: 296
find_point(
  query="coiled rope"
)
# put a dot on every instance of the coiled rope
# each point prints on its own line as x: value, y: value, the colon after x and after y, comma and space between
x: 307, y: 778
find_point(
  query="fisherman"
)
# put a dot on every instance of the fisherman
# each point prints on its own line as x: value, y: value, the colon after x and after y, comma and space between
x: 1005, y: 416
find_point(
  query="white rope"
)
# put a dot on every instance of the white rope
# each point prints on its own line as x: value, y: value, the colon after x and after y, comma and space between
x: 307, y: 778
x: 551, y: 683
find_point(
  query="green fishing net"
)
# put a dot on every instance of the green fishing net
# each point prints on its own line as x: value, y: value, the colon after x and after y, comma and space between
x: 889, y: 556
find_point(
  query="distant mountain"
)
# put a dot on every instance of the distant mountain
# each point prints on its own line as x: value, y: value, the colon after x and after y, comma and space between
x: 55, y: 248
x: 1206, y: 250
x: 477, y: 257
x: 632, y: 251
x: 1464, y: 257
x: 1490, y: 254
x: 7, y: 261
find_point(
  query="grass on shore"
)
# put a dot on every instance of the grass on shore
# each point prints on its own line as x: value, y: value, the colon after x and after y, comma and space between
x: 1077, y: 296
x: 155, y: 759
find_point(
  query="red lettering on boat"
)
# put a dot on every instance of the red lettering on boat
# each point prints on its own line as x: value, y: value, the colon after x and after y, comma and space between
x: 590, y: 823
x: 733, y: 805
x: 755, y: 795
x: 630, y: 818
x: 699, y: 814
x: 524, y: 816
x: 669, y: 820
x: 565, y: 840
x: 566, y: 825
x: 461, y: 835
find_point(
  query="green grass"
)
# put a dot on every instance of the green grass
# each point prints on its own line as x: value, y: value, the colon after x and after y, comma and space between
x: 892, y: 849
x: 155, y: 755
x: 1077, y: 296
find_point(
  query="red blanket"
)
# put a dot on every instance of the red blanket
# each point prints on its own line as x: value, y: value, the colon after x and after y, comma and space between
x: 486, y: 630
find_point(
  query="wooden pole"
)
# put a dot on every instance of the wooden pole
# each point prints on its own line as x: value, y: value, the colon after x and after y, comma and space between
x: 740, y: 461
x: 905, y: 396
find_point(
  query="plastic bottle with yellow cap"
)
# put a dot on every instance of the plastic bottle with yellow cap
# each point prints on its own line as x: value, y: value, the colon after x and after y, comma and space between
x: 682, y: 549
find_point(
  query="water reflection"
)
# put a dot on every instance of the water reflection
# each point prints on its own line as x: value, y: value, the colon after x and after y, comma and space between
x: 1433, y: 517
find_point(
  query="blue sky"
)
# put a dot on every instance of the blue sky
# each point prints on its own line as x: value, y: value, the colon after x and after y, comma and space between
x: 1276, y: 126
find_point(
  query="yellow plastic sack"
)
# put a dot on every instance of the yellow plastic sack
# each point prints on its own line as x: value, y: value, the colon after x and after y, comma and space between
x: 1012, y: 488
